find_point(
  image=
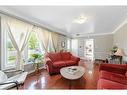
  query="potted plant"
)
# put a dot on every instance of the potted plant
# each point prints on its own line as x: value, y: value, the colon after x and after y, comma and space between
x: 114, y: 49
x: 37, y: 60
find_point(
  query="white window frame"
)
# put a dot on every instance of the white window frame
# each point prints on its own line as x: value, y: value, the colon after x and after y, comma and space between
x: 4, y: 51
x: 4, y: 59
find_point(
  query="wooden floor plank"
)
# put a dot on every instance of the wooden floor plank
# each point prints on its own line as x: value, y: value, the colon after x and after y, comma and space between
x: 43, y: 80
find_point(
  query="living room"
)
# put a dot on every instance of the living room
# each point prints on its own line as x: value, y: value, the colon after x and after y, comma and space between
x: 63, y: 47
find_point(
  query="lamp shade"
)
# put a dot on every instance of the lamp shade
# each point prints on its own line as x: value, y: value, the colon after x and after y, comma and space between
x: 119, y: 52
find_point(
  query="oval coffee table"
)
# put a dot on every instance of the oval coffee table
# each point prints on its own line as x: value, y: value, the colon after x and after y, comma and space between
x: 65, y: 72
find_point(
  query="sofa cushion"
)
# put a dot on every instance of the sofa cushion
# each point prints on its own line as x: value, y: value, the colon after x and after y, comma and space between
x: 126, y: 74
x: 106, y: 74
x: 107, y: 84
x: 55, y: 56
x: 69, y: 62
x: 113, y: 77
x: 66, y: 55
x: 59, y: 64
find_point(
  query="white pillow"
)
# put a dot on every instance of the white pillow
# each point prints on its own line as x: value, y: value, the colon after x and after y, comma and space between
x: 3, y: 76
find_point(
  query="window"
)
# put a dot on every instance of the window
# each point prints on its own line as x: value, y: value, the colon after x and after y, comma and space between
x: 19, y: 31
x: 34, y: 45
x: 8, y: 52
x: 11, y: 52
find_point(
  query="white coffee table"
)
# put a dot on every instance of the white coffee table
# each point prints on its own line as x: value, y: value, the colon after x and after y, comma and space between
x: 72, y: 76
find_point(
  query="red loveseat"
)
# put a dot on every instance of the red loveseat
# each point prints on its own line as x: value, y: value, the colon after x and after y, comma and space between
x: 112, y: 76
x: 55, y: 61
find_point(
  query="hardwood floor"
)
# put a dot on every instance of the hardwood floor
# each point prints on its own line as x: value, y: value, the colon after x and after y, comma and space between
x: 43, y: 80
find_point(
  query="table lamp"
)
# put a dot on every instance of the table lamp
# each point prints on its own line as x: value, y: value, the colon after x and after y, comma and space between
x: 119, y: 53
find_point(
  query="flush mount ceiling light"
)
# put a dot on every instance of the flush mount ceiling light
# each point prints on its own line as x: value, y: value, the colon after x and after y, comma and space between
x: 77, y: 34
x: 80, y: 20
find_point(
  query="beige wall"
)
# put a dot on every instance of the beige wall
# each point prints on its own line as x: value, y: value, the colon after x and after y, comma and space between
x: 102, y: 45
x: 61, y: 39
x: 120, y: 39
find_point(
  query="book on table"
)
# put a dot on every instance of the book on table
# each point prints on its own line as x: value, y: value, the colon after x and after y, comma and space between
x: 72, y: 70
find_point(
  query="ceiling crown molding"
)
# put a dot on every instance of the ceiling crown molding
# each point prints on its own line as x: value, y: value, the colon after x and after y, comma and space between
x: 88, y: 35
x: 28, y: 20
x: 121, y: 25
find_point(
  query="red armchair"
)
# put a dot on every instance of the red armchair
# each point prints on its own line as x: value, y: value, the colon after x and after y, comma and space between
x: 112, y: 76
x: 55, y: 61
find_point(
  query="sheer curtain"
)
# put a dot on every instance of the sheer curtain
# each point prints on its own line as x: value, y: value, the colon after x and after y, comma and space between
x: 50, y: 44
x: 18, y: 32
x: 54, y: 37
x: 44, y: 37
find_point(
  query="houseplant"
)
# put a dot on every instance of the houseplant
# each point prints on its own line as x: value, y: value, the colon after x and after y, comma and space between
x: 37, y: 60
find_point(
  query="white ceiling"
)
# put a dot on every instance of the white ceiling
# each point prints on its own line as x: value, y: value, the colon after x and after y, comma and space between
x: 101, y: 19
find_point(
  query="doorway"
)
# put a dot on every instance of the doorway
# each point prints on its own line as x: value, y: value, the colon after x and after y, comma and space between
x: 74, y: 46
x: 89, y: 49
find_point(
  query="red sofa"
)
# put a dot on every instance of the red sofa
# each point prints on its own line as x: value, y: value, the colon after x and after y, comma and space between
x: 112, y: 76
x: 55, y: 61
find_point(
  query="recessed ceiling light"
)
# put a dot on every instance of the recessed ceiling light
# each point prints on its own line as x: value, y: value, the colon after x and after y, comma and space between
x: 80, y: 20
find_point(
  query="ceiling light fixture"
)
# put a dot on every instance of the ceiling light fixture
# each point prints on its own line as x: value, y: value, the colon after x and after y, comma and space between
x: 80, y: 20
x: 77, y: 34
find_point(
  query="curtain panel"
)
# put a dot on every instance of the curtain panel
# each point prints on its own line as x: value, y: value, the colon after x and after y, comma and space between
x: 50, y: 45
x: 19, y: 33
x: 44, y: 36
x: 54, y: 37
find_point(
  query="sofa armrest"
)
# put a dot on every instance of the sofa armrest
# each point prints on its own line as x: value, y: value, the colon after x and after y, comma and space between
x: 115, y: 68
x: 48, y: 61
x: 75, y: 58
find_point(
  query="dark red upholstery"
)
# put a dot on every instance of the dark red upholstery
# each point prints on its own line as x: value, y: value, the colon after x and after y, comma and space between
x: 116, y: 68
x: 112, y: 76
x: 65, y: 56
x: 70, y: 62
x: 59, y: 64
x: 54, y: 56
x: 126, y: 74
x: 106, y: 84
x: 55, y: 61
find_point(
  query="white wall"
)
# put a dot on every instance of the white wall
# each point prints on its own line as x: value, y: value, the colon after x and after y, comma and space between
x: 120, y: 39
x: 102, y: 46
